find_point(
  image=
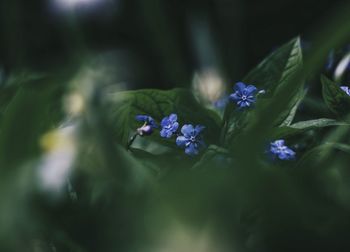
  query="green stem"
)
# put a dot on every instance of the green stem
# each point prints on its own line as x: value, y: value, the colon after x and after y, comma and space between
x: 131, y: 140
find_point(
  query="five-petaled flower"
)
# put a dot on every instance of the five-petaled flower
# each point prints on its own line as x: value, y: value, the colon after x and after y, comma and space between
x: 191, y: 139
x: 244, y: 95
x: 346, y: 89
x: 169, y: 126
x: 280, y: 150
x: 148, y: 126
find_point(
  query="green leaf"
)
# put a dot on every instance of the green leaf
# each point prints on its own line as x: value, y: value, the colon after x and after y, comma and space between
x: 6, y: 95
x: 316, y: 154
x: 298, y: 98
x: 162, y: 163
x: 23, y: 76
x: 158, y: 104
x: 335, y: 98
x: 301, y: 127
x: 274, y: 70
x: 10, y: 85
x: 271, y: 75
x: 317, y: 123
x: 30, y: 112
x: 213, y: 157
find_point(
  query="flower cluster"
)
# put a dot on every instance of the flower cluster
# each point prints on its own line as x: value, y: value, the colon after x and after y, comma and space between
x: 190, y: 140
x: 190, y: 137
x: 245, y: 96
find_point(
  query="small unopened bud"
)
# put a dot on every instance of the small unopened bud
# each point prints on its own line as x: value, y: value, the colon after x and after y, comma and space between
x: 145, y: 130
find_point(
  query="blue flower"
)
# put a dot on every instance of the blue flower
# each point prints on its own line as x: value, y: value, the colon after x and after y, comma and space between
x: 244, y: 95
x: 148, y: 126
x: 191, y: 139
x: 169, y: 126
x: 222, y: 102
x: 280, y: 150
x: 346, y: 89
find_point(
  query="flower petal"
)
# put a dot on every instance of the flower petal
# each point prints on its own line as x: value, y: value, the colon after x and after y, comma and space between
x: 240, y: 86
x: 187, y: 130
x: 141, y: 118
x: 345, y: 89
x: 173, y: 117
x: 250, y: 89
x: 273, y: 149
x: 235, y: 96
x: 191, y: 150
x: 290, y: 152
x: 170, y: 134
x: 181, y: 141
x: 198, y: 129
x: 279, y: 142
x: 283, y: 156
x: 145, y: 130
x: 152, y: 123
x: 175, y: 126
x: 251, y: 99
x: 243, y: 104
x: 163, y: 133
x: 164, y: 121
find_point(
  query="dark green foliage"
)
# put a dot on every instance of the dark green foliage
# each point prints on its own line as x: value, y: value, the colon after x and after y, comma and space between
x: 274, y: 70
x: 40, y: 109
x: 301, y: 127
x: 335, y: 98
x: 270, y: 75
x: 148, y: 195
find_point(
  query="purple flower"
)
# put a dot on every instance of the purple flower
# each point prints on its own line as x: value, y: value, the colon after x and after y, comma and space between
x: 191, y: 139
x: 281, y: 151
x: 346, y: 89
x: 148, y: 126
x: 244, y: 95
x: 169, y: 126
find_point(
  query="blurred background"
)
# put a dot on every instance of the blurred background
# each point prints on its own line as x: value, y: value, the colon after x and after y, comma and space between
x: 154, y: 43
x: 66, y: 184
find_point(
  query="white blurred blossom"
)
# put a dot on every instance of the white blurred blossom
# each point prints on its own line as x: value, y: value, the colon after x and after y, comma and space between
x: 60, y: 150
x: 182, y: 238
x: 85, y: 7
x: 70, y: 4
x: 208, y: 86
x: 342, y: 67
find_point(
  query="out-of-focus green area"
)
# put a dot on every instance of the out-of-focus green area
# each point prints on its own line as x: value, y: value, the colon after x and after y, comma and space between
x: 74, y: 176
